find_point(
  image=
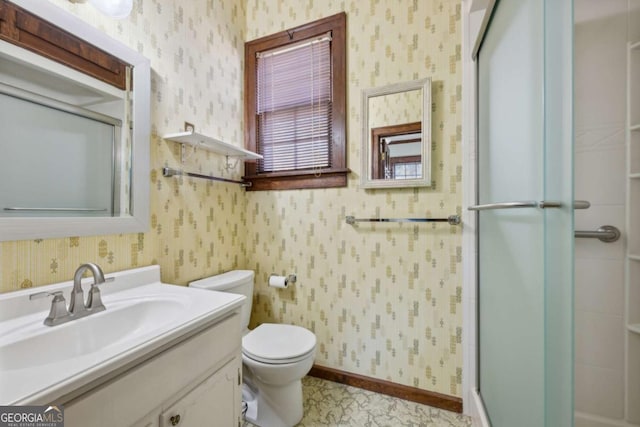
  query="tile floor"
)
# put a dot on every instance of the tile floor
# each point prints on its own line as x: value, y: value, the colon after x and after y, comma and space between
x: 336, y: 405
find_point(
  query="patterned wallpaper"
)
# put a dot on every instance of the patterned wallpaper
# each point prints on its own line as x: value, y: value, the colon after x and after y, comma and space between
x: 395, y: 109
x: 197, y: 227
x: 383, y: 300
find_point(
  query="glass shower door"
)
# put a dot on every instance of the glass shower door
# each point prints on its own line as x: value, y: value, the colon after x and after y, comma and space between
x: 525, y: 196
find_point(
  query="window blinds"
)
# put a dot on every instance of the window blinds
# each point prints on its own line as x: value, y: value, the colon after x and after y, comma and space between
x: 294, y: 106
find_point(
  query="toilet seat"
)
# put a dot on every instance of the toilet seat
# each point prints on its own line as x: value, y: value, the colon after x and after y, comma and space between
x: 278, y: 344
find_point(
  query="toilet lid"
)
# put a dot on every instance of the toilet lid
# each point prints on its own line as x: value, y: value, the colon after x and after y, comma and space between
x: 272, y: 342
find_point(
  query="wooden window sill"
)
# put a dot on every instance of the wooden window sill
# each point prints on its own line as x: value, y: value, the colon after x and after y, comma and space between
x: 298, y: 180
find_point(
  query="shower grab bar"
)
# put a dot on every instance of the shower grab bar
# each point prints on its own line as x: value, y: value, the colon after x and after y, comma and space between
x: 167, y: 172
x: 452, y: 219
x: 577, y: 204
x: 606, y: 233
x: 56, y: 209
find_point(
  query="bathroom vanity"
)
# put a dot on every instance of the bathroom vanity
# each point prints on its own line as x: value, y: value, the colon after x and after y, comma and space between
x: 194, y: 383
x: 159, y: 355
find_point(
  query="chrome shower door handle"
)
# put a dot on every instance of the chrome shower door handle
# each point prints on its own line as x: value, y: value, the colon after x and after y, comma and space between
x: 515, y: 205
x: 577, y: 204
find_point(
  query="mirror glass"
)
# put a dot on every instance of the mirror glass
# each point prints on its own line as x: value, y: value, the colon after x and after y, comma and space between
x: 396, y: 135
x: 83, y: 159
x: 75, y: 144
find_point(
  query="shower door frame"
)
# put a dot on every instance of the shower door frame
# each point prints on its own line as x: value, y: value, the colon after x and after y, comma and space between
x: 475, y: 19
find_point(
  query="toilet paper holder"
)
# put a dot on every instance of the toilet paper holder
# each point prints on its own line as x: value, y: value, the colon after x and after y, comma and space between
x: 291, y: 278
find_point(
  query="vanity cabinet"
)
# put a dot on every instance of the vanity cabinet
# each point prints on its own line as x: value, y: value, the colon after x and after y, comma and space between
x: 193, y: 383
x: 209, y: 403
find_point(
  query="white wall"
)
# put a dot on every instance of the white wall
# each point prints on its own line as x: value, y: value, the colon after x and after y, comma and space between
x: 600, y: 168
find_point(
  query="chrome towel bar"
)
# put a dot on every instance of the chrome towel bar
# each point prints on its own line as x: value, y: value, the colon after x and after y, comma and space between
x: 452, y: 219
x: 606, y: 233
x: 57, y: 209
x: 167, y: 172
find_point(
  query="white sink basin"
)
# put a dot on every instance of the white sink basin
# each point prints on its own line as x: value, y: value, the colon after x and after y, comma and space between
x: 123, y: 321
x: 39, y: 363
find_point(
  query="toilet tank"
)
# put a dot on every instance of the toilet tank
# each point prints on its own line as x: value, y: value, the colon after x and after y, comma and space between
x: 235, y: 282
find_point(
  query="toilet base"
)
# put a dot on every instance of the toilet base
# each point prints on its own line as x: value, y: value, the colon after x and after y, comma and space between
x: 269, y: 406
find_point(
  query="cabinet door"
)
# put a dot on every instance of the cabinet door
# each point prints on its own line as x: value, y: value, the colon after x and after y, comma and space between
x: 127, y: 397
x: 215, y: 401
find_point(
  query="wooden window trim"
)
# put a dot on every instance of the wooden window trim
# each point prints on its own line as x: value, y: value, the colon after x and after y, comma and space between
x: 334, y: 176
x: 405, y: 159
x: 381, y: 132
x: 22, y: 28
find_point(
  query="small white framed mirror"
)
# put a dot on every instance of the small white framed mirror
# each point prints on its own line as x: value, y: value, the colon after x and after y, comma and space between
x: 396, y: 135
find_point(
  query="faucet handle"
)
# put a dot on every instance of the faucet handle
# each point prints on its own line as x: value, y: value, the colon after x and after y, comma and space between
x: 58, y: 312
x: 94, y: 300
x: 38, y: 295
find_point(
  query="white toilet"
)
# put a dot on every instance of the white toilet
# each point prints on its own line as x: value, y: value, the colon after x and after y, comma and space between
x: 275, y: 358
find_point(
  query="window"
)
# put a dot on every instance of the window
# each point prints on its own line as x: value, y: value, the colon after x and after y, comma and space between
x: 295, y: 103
x: 407, y: 170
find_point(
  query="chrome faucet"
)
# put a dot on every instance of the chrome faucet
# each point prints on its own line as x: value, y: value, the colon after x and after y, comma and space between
x: 77, y: 307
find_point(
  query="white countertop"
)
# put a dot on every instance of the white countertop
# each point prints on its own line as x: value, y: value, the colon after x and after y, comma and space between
x: 39, y: 364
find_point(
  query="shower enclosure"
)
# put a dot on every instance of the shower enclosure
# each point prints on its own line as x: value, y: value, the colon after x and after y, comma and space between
x: 525, y: 214
x: 558, y: 319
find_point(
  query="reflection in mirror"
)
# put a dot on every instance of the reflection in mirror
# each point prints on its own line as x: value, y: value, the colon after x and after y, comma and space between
x: 74, y: 114
x: 396, y: 151
x: 83, y: 156
x: 396, y: 135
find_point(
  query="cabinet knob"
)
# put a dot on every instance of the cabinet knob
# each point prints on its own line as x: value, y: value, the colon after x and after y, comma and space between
x: 175, y: 420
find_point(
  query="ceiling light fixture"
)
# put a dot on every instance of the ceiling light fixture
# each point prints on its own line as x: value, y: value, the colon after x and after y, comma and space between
x: 117, y: 9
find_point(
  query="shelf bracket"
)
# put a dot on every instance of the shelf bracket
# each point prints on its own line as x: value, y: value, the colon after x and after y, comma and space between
x: 228, y: 166
x: 183, y: 152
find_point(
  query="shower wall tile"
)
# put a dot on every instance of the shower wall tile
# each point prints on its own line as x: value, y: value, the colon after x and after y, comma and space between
x: 600, y: 177
x: 600, y: 64
x: 599, y: 285
x: 599, y: 340
x: 384, y: 300
x: 601, y: 174
x: 599, y: 391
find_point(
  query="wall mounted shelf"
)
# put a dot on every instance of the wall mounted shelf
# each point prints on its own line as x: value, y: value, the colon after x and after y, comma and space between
x: 197, y: 140
x: 212, y: 144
